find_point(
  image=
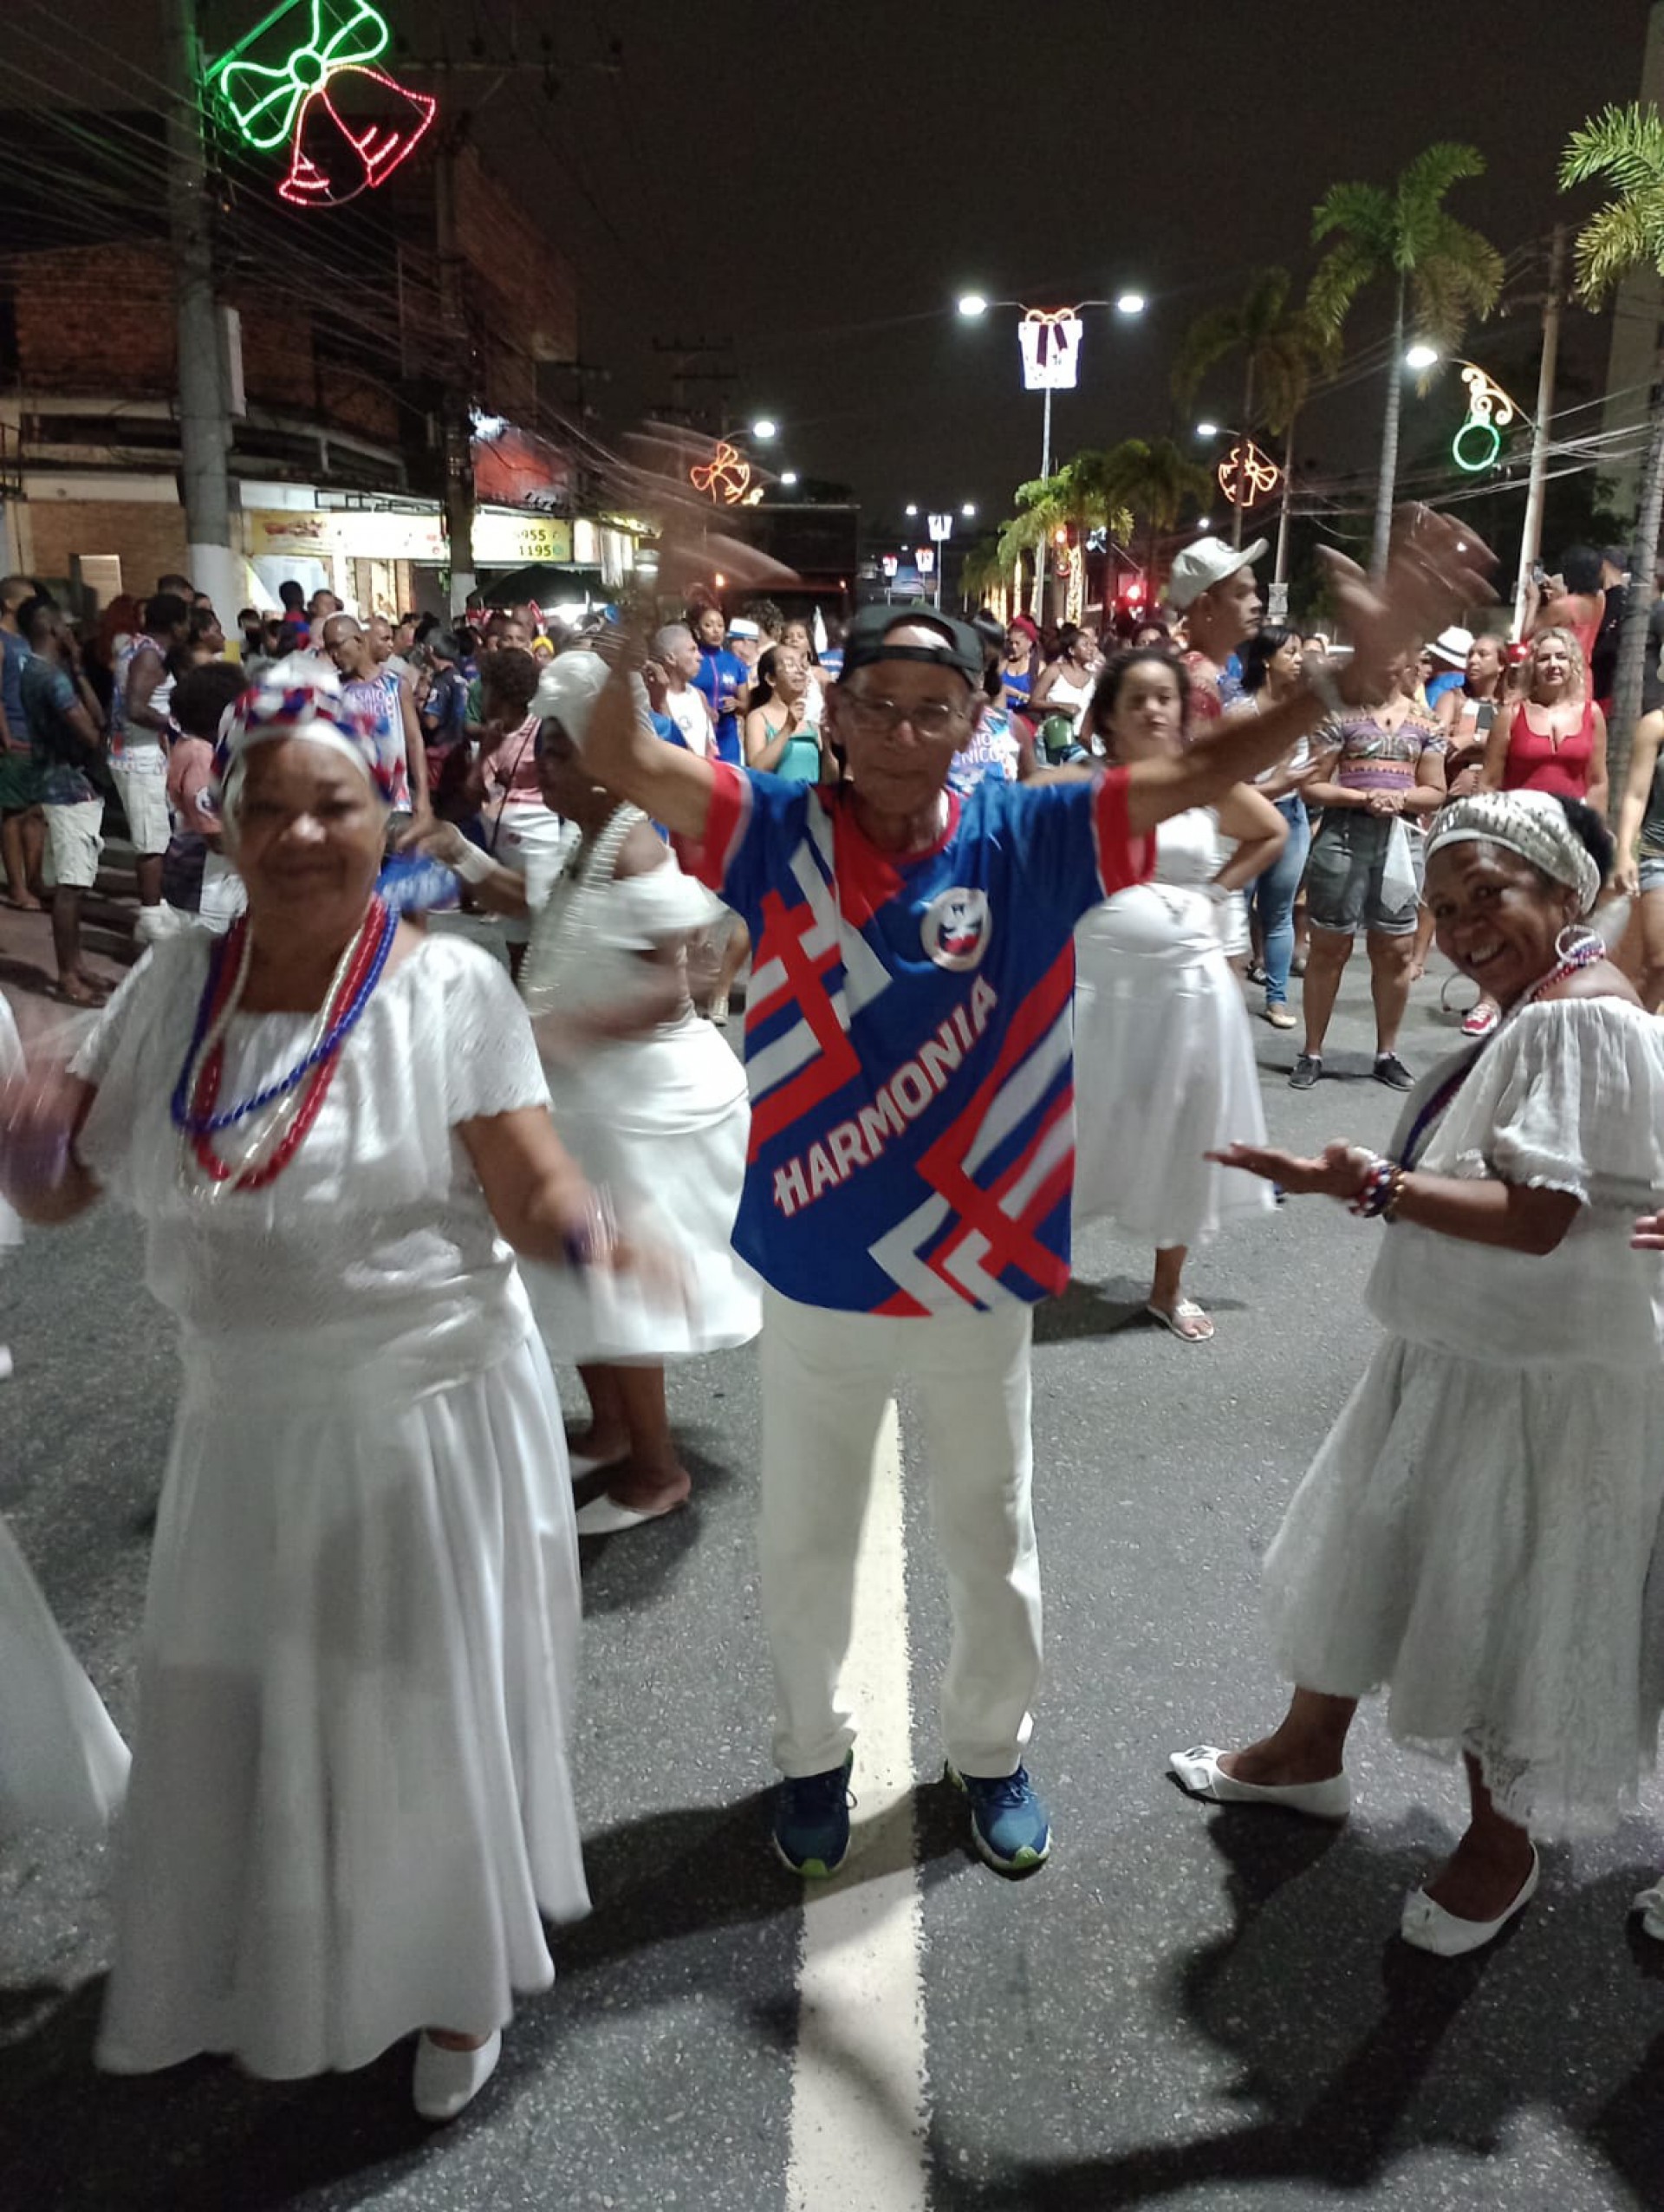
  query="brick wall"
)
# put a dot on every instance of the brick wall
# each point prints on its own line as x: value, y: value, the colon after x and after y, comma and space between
x: 93, y: 319
x: 149, y: 539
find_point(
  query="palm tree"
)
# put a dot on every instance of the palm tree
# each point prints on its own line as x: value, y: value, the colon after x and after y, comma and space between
x: 1074, y: 500
x: 1625, y: 145
x: 1440, y: 267
x: 1279, y: 345
x: 1152, y: 479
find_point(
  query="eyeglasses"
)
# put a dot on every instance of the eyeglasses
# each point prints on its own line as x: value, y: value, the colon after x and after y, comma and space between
x: 878, y: 716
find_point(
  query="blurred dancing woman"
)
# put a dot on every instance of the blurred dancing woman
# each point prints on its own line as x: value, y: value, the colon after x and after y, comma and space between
x: 61, y: 1763
x: 350, y: 1811
x: 650, y: 1099
x: 1271, y: 674
x: 1164, y: 1065
x: 1476, y: 1532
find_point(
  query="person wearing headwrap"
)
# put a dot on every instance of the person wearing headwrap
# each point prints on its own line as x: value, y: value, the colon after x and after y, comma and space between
x: 651, y: 1100
x: 350, y: 1812
x: 1475, y: 1534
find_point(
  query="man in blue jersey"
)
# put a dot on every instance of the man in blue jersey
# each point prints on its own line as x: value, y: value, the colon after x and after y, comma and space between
x: 907, y: 1200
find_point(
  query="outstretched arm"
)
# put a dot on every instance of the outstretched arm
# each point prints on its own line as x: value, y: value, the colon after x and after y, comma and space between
x: 1437, y: 568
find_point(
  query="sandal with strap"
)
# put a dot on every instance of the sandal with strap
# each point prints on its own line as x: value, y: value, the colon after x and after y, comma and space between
x: 1174, y: 1319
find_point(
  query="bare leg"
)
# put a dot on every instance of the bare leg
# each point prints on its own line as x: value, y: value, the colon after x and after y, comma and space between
x: 652, y: 1478
x: 35, y: 853
x: 608, y: 1436
x: 18, y: 878
x: 735, y: 954
x: 1166, y: 1290
x: 66, y: 943
x: 1308, y: 1744
x: 1649, y: 969
x: 1485, y: 1873
x: 1331, y: 951
x: 1423, y: 943
x: 147, y: 871
x: 1389, y: 984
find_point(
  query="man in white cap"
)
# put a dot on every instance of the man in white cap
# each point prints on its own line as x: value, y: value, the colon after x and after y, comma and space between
x: 1448, y: 656
x: 1213, y: 587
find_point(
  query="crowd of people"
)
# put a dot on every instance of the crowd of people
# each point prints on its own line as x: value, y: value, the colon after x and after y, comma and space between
x: 1000, y: 906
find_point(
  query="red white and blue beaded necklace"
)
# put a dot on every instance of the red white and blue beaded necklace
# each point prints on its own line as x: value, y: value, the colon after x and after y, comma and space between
x: 280, y: 1114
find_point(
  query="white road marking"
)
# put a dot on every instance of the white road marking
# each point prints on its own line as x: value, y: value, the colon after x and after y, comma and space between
x: 858, y: 2111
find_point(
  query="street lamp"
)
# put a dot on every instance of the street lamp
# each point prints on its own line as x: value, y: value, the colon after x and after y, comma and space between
x: 765, y: 427
x: 789, y: 477
x: 913, y: 507
x: 972, y: 304
x: 1130, y: 303
x: 1207, y: 430
x: 1422, y: 356
x: 969, y: 509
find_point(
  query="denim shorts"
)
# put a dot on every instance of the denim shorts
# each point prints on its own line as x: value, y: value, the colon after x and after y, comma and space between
x: 1652, y: 872
x: 1343, y: 872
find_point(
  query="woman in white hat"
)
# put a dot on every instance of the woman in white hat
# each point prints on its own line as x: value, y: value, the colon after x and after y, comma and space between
x: 1476, y: 1532
x: 350, y: 1814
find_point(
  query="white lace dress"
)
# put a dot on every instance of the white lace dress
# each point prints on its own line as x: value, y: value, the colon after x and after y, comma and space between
x: 1164, y: 1060
x: 62, y: 1763
x: 1476, y: 1532
x: 350, y: 1809
x: 662, y: 1120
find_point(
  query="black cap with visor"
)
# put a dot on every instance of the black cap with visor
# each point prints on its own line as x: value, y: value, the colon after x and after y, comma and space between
x: 867, y: 640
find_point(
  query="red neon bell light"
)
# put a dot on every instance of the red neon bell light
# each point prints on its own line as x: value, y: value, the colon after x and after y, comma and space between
x: 347, y: 125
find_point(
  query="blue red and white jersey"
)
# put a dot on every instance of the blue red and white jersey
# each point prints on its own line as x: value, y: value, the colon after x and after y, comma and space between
x: 909, y: 1038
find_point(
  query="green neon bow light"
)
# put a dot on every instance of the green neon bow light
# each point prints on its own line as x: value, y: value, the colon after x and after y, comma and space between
x: 300, y: 98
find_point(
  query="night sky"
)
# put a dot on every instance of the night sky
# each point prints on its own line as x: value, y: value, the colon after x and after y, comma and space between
x: 819, y: 184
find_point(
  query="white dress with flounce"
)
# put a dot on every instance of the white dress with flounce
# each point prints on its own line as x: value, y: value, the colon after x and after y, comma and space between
x: 1164, y: 1061
x: 661, y: 1122
x: 350, y: 1810
x: 1476, y: 1530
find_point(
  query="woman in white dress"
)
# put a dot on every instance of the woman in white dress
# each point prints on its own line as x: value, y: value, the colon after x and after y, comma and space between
x: 649, y: 1098
x: 1476, y: 1532
x: 1164, y: 1062
x: 350, y: 1811
x: 62, y: 1765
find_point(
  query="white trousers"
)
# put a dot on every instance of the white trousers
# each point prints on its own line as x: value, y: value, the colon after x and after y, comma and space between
x: 827, y: 1378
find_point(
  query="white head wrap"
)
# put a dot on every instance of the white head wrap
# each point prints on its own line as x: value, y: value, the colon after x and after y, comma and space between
x: 1534, y: 824
x: 567, y: 692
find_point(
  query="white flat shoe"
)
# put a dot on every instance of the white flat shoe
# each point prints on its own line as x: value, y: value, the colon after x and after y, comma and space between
x: 1650, y: 1905
x: 1428, y: 1927
x: 446, y: 2080
x: 1203, y: 1776
x: 604, y: 1516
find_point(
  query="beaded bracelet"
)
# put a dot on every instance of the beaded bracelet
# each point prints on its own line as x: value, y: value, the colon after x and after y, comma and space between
x: 1377, y: 1189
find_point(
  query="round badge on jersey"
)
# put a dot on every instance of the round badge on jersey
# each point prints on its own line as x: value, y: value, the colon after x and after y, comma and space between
x: 955, y: 927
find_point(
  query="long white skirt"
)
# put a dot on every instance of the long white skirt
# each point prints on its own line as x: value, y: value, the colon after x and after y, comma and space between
x: 62, y: 1765
x: 1164, y: 1072
x: 663, y: 1123
x: 350, y: 1802
x: 1478, y: 1539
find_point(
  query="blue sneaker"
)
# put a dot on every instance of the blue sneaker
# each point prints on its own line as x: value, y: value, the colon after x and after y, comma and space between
x: 1009, y: 1826
x: 811, y: 1821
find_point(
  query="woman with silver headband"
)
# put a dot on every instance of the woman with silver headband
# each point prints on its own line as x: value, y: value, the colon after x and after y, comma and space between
x: 350, y: 1810
x: 1476, y: 1532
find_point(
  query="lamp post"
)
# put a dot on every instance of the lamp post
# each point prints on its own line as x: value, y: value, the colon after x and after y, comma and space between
x: 1050, y: 342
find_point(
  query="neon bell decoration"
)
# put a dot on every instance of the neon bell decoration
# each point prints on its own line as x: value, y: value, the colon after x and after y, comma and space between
x: 298, y: 98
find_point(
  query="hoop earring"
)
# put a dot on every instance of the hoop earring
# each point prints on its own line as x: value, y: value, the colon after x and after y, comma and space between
x: 1580, y: 936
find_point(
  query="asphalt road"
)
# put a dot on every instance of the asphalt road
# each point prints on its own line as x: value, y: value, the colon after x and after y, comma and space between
x: 1185, y: 2008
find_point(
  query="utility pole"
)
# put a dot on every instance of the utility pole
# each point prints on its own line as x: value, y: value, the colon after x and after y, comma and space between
x: 204, y: 427
x: 456, y: 401
x: 1531, y: 543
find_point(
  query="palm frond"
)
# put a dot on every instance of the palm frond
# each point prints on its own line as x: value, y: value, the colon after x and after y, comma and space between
x: 1617, y: 238
x: 1344, y: 271
x: 1363, y: 212
x: 1623, y: 144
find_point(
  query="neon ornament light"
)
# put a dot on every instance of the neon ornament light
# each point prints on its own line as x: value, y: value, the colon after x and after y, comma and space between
x: 725, y: 477
x: 1246, y: 474
x: 1489, y: 411
x: 332, y: 156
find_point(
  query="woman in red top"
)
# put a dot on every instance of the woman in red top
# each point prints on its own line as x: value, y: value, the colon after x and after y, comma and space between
x: 1555, y: 739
